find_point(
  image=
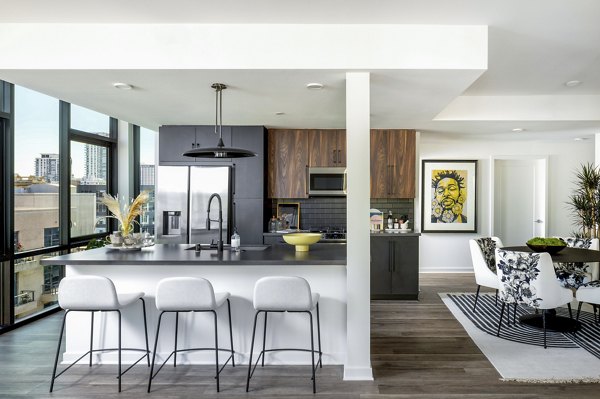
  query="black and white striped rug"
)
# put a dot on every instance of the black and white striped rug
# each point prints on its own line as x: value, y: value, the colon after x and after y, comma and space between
x: 487, y: 315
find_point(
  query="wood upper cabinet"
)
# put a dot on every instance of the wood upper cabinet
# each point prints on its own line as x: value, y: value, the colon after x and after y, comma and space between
x: 393, y: 163
x: 327, y: 148
x: 287, y: 163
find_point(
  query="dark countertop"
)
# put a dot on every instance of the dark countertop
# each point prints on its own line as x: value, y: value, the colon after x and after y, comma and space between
x: 175, y: 254
x: 410, y: 233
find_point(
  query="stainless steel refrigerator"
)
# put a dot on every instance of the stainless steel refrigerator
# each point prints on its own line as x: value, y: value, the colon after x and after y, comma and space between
x: 182, y: 196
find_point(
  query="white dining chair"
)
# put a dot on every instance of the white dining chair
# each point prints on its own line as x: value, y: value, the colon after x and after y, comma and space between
x: 573, y: 275
x: 589, y: 293
x: 483, y: 257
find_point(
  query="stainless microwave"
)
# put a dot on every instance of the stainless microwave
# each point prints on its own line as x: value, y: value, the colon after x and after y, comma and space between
x: 327, y: 181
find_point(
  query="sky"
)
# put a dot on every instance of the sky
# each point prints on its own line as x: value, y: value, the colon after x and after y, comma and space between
x: 37, y: 131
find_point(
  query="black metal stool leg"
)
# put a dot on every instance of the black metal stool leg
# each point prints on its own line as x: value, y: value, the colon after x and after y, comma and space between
x: 154, y: 352
x: 319, y: 337
x: 146, y: 331
x: 91, y: 338
x: 230, y: 334
x: 515, y: 314
x: 312, y: 352
x: 176, y: 330
x: 120, y: 375
x: 251, y: 350
x: 264, y: 341
x: 578, y: 311
x: 496, y: 302
x: 62, y: 330
x: 544, y: 325
x: 570, y: 311
x: 476, y: 298
x: 216, y: 349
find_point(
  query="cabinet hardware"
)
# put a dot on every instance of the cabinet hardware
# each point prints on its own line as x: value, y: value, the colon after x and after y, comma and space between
x: 233, y: 178
x: 333, y: 157
x: 307, y: 182
x: 339, y: 157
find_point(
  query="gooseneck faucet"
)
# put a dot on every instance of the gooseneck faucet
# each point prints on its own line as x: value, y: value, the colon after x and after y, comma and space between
x: 220, y: 220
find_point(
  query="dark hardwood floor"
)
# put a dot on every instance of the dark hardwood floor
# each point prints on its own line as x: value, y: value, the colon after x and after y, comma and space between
x: 418, y: 351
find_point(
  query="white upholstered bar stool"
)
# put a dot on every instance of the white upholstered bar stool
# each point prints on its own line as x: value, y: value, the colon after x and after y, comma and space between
x: 285, y: 294
x: 190, y: 294
x: 96, y: 294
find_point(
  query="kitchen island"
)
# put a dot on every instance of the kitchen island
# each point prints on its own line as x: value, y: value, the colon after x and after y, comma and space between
x: 324, y: 266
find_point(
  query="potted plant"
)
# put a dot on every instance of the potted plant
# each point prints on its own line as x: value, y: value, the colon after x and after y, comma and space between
x: 125, y: 212
x: 585, y: 201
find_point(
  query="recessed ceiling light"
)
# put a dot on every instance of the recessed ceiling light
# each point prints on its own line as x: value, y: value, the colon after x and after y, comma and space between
x: 580, y: 138
x: 279, y: 113
x: 518, y: 129
x: 314, y: 86
x: 572, y: 83
x: 122, y: 86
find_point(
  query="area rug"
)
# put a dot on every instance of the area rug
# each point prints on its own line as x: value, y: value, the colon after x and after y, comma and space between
x: 518, y: 354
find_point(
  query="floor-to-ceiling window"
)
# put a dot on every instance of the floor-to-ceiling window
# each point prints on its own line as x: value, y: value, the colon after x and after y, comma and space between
x: 56, y: 160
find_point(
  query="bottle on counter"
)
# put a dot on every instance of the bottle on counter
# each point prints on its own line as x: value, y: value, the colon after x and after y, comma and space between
x: 235, y: 241
x: 396, y: 224
x: 390, y: 220
x: 273, y: 225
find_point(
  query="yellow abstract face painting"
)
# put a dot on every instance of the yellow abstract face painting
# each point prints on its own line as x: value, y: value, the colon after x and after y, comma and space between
x: 449, y: 193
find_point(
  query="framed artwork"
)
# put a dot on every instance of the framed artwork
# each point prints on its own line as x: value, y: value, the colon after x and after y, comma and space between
x: 449, y: 194
x: 290, y: 212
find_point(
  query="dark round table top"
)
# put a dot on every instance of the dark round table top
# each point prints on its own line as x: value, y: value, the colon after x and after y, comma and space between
x: 567, y: 255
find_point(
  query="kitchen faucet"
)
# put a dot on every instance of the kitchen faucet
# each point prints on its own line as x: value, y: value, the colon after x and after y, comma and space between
x: 220, y: 220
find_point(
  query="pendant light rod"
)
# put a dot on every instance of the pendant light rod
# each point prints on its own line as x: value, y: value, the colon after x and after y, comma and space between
x: 220, y: 151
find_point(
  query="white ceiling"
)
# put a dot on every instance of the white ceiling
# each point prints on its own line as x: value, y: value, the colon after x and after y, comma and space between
x: 534, y: 47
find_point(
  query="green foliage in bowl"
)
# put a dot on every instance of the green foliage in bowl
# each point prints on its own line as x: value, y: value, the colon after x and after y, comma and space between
x: 550, y: 245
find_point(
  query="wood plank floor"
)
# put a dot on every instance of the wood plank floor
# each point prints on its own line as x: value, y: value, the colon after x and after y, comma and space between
x: 418, y: 351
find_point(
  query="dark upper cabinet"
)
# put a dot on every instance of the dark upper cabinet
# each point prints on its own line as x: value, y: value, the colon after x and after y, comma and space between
x: 287, y: 163
x: 327, y: 148
x: 249, y: 173
x: 393, y: 155
x: 173, y: 141
x: 394, y: 267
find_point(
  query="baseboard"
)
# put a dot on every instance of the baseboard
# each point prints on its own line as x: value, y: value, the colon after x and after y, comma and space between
x: 447, y: 270
x: 358, y: 374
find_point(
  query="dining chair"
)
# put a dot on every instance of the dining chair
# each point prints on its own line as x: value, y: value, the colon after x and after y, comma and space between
x: 484, y: 263
x: 589, y: 293
x: 529, y: 278
x: 573, y: 275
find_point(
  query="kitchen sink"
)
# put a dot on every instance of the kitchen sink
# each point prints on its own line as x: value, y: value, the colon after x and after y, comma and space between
x: 243, y: 248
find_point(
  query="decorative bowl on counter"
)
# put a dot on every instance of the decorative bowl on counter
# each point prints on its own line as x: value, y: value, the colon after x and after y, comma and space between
x: 301, y: 240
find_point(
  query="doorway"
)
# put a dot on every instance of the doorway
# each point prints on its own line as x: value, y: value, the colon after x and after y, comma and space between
x: 519, y: 199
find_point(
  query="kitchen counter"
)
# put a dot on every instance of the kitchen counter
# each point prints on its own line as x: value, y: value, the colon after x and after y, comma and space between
x: 170, y: 254
x: 324, y: 267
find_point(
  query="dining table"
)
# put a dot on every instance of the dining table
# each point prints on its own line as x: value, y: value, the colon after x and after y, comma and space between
x: 553, y: 321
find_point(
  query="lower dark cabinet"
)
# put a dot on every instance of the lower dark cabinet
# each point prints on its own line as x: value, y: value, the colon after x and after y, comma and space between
x: 394, y: 267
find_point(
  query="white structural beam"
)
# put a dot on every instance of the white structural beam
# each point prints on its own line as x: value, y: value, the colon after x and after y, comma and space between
x: 358, y: 362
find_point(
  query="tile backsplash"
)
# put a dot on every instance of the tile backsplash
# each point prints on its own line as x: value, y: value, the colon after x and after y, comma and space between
x: 318, y: 212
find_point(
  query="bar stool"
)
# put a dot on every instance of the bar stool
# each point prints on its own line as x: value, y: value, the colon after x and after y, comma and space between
x: 96, y: 294
x: 190, y: 294
x: 285, y: 294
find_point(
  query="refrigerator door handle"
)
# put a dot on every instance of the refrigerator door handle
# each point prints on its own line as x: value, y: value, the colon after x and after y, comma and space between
x: 233, y: 179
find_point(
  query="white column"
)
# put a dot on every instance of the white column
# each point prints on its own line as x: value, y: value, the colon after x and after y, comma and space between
x: 358, y: 361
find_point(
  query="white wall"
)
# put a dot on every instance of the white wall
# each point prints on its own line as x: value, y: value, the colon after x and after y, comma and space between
x: 450, y: 252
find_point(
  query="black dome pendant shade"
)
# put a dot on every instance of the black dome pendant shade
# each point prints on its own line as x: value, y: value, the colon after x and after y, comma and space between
x: 220, y: 151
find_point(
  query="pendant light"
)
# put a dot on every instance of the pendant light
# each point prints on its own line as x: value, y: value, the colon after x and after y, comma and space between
x: 220, y: 151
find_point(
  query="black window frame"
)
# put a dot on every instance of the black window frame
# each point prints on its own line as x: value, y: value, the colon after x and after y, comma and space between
x: 67, y: 243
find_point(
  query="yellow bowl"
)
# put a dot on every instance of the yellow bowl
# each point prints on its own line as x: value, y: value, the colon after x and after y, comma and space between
x: 301, y: 240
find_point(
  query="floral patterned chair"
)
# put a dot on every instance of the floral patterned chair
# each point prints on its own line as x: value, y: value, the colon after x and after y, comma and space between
x: 529, y: 278
x: 574, y: 275
x: 484, y: 263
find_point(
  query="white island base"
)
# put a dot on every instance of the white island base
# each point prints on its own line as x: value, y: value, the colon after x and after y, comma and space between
x: 285, y: 330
